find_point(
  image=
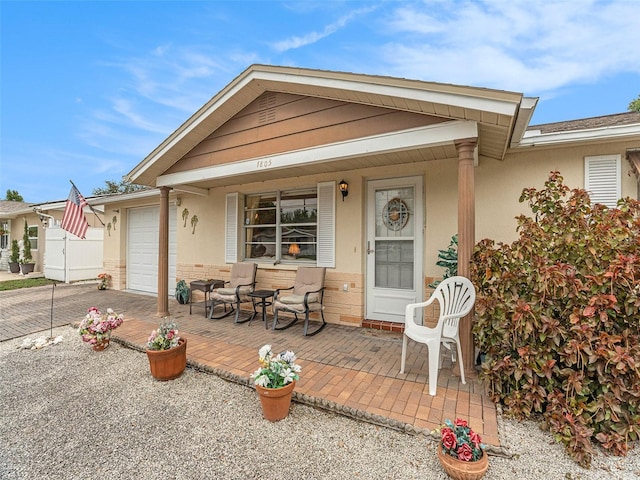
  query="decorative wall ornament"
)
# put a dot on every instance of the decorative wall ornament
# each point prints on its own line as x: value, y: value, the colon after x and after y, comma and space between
x: 114, y: 220
x: 185, y: 215
x: 109, y: 228
x: 395, y: 214
x: 194, y: 222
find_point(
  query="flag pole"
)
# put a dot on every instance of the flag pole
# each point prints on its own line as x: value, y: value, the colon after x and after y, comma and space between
x: 52, y: 292
x: 90, y: 207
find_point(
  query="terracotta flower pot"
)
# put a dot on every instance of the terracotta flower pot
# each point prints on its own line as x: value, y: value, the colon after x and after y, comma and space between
x: 459, y: 470
x: 168, y: 364
x: 275, y: 401
x: 100, y: 346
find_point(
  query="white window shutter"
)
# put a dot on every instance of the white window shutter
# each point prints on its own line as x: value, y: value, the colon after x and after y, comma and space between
x: 602, y: 179
x: 326, y: 254
x: 231, y: 229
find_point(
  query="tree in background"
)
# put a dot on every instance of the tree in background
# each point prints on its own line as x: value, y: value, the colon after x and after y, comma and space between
x: 14, y: 196
x: 634, y: 106
x: 117, y: 187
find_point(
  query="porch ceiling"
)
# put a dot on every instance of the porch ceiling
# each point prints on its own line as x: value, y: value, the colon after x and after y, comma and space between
x: 494, y: 112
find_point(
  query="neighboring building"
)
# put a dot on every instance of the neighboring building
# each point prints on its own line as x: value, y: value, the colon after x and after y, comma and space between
x: 43, y: 223
x: 255, y: 171
x: 11, y: 229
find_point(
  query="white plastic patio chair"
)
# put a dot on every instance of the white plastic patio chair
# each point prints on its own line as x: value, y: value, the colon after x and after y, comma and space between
x: 456, y: 296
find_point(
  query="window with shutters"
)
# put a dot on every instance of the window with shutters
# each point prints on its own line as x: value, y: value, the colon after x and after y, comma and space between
x: 282, y: 226
x: 602, y: 179
x: 289, y: 226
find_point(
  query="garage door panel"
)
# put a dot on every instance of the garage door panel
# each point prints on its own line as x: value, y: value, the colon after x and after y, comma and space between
x: 142, y: 253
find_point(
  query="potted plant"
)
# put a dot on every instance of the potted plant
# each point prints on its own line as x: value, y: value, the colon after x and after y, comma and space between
x: 448, y: 259
x: 26, y: 263
x: 461, y: 452
x: 14, y: 258
x: 167, y: 352
x: 104, y: 281
x: 275, y: 381
x: 96, y: 329
x: 183, y: 292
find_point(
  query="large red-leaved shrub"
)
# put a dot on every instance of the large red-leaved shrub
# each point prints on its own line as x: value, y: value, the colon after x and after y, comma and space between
x: 558, y: 318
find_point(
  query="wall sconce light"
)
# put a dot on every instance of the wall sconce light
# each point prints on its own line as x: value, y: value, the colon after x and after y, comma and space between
x: 294, y: 250
x: 178, y: 201
x: 344, y: 188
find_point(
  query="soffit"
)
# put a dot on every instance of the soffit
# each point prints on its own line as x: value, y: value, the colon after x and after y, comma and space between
x: 494, y: 111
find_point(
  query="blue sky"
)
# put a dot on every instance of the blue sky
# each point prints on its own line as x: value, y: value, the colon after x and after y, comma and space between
x: 89, y: 88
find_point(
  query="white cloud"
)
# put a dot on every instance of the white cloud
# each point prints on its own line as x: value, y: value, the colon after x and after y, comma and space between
x: 313, y: 37
x: 523, y: 46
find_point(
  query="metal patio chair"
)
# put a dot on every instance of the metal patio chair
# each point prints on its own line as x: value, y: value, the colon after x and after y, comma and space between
x: 307, y: 296
x: 236, y: 292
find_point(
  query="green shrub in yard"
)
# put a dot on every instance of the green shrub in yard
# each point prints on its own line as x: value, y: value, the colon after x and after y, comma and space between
x: 559, y: 315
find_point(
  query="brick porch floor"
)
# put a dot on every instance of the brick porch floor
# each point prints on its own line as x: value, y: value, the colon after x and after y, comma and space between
x: 348, y: 368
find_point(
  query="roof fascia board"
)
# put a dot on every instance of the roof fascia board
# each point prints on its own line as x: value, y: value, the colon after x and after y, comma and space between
x: 93, y: 201
x: 532, y: 138
x: 474, y: 102
x: 123, y: 197
x: 523, y: 118
x: 410, y: 139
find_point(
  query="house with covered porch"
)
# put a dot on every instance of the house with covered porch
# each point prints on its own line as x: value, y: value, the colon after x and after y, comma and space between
x: 368, y: 176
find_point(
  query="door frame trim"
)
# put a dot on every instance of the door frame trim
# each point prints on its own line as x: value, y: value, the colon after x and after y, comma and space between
x: 419, y: 237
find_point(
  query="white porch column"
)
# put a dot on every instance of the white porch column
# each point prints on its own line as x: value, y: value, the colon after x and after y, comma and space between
x: 466, y: 236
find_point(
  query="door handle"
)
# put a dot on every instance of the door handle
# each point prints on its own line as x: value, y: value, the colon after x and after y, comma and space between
x: 369, y: 248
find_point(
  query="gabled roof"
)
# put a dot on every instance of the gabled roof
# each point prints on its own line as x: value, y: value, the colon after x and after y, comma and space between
x: 498, y: 114
x: 10, y: 209
x: 620, y: 126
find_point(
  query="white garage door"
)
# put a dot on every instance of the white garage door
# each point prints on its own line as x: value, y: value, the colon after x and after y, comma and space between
x: 142, y: 254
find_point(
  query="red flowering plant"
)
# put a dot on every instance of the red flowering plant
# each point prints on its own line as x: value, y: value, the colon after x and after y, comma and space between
x: 165, y: 337
x: 104, y: 281
x: 460, y: 441
x: 96, y: 328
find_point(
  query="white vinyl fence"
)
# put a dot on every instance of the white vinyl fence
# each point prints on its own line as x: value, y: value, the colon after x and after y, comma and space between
x: 68, y: 258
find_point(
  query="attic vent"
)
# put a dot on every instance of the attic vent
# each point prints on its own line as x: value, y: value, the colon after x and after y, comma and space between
x: 267, y: 110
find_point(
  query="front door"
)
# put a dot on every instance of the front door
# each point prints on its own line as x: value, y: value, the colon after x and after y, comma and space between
x: 394, y: 247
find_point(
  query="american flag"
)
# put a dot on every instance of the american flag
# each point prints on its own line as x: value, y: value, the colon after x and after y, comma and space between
x: 73, y: 220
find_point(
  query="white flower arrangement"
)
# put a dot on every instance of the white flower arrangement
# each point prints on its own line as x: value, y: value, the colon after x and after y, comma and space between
x: 278, y: 371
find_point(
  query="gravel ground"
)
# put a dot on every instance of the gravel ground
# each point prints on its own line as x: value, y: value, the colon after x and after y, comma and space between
x: 71, y: 413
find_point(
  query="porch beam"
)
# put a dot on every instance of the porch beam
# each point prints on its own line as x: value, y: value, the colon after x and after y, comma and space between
x: 466, y: 236
x: 163, y: 254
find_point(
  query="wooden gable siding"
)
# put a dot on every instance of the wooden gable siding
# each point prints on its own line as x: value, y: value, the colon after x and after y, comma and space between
x: 279, y: 122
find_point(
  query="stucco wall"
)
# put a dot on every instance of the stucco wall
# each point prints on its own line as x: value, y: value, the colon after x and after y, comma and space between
x: 499, y: 184
x: 498, y: 188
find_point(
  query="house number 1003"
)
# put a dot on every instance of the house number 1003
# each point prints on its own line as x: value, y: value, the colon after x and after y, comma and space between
x: 263, y: 163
